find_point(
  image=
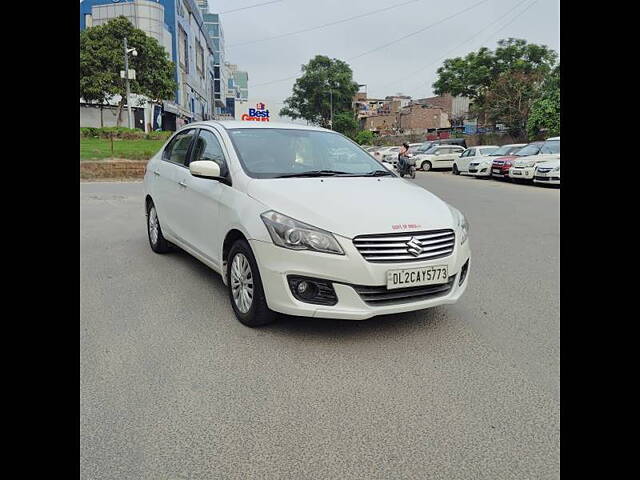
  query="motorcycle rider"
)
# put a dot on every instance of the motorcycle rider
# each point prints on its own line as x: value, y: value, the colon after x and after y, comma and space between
x: 402, y: 155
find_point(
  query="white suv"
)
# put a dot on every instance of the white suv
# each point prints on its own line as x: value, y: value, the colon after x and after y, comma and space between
x: 300, y: 220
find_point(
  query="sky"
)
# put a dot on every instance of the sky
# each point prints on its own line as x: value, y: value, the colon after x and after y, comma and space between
x: 407, y: 66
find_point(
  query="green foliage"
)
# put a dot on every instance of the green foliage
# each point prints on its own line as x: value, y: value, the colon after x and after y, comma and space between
x: 102, y: 58
x: 346, y: 124
x: 545, y: 111
x: 311, y: 98
x: 515, y: 68
x: 365, y: 137
x: 122, y: 133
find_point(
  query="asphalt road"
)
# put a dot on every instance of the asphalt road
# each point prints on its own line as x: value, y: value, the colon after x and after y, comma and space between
x: 173, y: 387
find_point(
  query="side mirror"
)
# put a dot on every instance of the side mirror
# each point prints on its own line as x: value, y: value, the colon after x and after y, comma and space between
x: 205, y: 169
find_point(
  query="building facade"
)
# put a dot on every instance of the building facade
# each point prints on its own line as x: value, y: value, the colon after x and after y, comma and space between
x: 229, y: 83
x: 179, y: 27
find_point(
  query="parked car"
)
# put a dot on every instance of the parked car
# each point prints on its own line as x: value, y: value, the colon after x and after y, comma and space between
x: 500, y: 166
x: 481, y: 166
x: 438, y: 157
x: 461, y: 164
x: 547, y: 172
x: 299, y: 220
x: 387, y: 155
x: 524, y: 166
x: 461, y: 142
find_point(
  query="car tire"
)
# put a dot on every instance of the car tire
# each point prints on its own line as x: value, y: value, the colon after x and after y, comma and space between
x: 455, y: 170
x: 245, y: 275
x: 426, y: 166
x: 156, y: 239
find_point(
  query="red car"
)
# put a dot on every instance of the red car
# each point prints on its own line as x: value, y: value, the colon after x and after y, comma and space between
x: 500, y: 166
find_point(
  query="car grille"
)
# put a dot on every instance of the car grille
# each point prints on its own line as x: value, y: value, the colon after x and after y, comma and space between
x: 545, y: 179
x: 473, y: 170
x: 544, y: 170
x: 379, y: 296
x: 393, y: 247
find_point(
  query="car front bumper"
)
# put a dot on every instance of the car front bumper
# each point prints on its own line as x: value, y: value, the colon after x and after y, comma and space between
x: 480, y: 171
x: 346, y: 273
x: 522, y: 173
x: 548, y: 178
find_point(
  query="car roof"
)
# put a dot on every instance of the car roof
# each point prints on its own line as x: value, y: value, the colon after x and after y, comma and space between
x: 485, y: 146
x: 553, y: 138
x: 233, y: 124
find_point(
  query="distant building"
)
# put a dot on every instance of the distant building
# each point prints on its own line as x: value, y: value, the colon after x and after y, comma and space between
x: 179, y: 27
x: 229, y: 83
x: 418, y: 119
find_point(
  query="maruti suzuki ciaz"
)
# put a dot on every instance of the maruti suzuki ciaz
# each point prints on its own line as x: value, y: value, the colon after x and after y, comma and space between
x: 302, y: 221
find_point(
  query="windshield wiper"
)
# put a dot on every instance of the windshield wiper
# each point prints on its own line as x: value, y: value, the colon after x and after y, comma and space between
x: 314, y: 173
x: 376, y: 173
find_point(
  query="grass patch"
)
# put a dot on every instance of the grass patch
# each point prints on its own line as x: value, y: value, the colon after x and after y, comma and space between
x: 100, y: 148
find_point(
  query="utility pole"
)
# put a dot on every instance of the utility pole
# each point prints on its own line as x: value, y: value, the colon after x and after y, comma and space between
x: 126, y: 77
x: 331, y: 109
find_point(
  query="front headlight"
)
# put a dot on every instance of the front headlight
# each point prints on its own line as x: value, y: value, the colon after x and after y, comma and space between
x: 557, y: 169
x: 289, y: 233
x: 462, y: 224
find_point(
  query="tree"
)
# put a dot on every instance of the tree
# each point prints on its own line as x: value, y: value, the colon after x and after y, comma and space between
x: 102, y: 59
x: 545, y: 111
x: 346, y: 123
x: 474, y: 75
x: 322, y: 78
x: 509, y: 100
x: 364, y: 137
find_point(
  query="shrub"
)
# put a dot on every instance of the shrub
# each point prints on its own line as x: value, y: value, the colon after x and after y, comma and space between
x: 123, y: 133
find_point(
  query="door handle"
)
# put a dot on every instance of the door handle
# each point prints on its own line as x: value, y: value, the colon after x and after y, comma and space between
x: 156, y: 172
x: 183, y: 184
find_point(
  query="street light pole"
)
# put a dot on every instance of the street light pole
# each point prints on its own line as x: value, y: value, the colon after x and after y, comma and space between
x: 126, y: 77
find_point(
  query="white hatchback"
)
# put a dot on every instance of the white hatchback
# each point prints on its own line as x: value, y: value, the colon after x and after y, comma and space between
x: 461, y: 164
x: 438, y: 157
x: 302, y: 221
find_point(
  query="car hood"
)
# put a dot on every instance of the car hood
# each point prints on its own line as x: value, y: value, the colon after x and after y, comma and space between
x: 543, y: 157
x: 350, y: 206
x: 549, y: 164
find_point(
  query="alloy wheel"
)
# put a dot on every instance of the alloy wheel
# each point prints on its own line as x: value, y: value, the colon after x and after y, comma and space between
x: 153, y: 225
x: 241, y: 283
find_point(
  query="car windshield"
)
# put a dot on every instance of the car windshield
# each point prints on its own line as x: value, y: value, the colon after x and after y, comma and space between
x: 278, y: 152
x: 504, y: 150
x: 488, y: 151
x: 431, y: 149
x: 531, y: 149
x: 551, y: 146
x: 424, y: 147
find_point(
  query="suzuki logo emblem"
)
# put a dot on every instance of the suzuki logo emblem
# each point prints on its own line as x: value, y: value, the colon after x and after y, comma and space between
x: 414, y: 247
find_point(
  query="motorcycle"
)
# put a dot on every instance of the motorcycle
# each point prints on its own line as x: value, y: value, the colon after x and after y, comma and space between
x: 406, y: 166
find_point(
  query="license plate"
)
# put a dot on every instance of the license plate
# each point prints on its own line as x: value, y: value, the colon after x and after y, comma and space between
x: 496, y: 170
x: 516, y: 172
x: 415, y: 277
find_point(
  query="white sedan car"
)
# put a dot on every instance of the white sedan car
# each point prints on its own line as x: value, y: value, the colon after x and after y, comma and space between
x: 547, y: 173
x: 481, y: 166
x: 299, y: 220
x: 461, y: 164
x: 387, y: 155
x: 438, y: 157
x: 524, y: 167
